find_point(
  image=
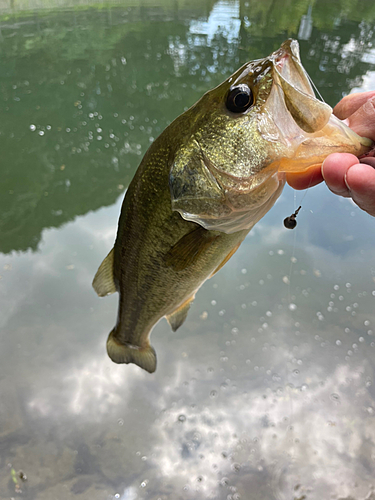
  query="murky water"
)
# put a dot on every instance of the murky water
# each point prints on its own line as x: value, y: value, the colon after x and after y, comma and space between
x: 267, y: 391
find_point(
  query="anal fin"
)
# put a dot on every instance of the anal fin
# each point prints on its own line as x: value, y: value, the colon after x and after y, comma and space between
x: 178, y: 316
x: 103, y: 283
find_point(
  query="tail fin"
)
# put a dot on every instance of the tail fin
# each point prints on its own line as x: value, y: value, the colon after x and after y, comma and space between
x: 144, y: 357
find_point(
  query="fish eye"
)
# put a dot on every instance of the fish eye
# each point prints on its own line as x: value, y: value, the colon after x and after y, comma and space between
x: 239, y: 98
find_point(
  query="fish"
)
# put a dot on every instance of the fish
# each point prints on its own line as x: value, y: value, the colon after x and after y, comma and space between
x: 210, y: 176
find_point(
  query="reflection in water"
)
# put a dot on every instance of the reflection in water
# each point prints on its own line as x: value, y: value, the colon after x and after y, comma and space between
x: 267, y: 391
x: 235, y: 392
x: 368, y: 81
x: 90, y: 111
x: 223, y: 21
x: 87, y: 389
x: 306, y: 25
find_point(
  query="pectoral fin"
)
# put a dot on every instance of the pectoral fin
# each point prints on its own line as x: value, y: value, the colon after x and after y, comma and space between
x: 188, y: 249
x: 178, y: 316
x: 103, y: 283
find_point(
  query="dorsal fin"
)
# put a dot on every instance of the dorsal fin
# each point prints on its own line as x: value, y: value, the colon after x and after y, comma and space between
x: 103, y: 283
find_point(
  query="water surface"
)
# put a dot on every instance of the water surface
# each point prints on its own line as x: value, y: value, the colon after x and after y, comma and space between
x: 267, y: 391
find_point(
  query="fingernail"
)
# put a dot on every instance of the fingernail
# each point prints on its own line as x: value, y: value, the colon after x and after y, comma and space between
x: 322, y: 169
x: 346, y: 182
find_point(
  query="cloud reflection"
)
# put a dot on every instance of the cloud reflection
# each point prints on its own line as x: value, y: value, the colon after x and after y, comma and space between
x: 310, y: 437
x: 281, y: 404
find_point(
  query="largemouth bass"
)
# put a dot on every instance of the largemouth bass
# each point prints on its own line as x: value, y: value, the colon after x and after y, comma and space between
x: 211, y: 175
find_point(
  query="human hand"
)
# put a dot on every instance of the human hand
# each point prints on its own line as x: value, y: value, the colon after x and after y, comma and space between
x: 343, y: 173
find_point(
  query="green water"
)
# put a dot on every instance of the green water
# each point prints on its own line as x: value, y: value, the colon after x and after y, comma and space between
x: 267, y: 391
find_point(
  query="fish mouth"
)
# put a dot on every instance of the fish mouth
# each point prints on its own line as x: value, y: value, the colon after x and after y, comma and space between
x: 309, y: 113
x: 314, y: 118
x: 287, y: 61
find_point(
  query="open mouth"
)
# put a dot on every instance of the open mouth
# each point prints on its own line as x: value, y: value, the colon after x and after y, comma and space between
x: 287, y: 63
x: 310, y: 114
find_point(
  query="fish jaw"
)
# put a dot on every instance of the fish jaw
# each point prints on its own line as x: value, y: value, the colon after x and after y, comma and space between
x: 305, y: 124
x: 335, y: 137
x: 309, y: 114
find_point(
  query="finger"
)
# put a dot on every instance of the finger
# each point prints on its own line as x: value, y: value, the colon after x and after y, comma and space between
x: 360, y: 181
x: 334, y: 169
x: 350, y: 103
x: 363, y: 120
x: 304, y: 180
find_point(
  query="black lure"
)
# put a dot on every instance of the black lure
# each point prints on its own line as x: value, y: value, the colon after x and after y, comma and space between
x: 291, y: 222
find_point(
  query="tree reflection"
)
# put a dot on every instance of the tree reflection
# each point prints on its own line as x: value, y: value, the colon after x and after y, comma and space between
x: 85, y: 92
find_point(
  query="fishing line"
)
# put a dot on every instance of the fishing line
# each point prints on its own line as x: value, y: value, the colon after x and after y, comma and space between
x: 292, y: 261
x: 315, y: 88
x: 290, y: 305
x: 292, y: 218
x: 291, y: 222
